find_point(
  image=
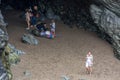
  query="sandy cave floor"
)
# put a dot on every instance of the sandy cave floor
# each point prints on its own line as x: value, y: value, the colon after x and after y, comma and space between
x: 64, y: 55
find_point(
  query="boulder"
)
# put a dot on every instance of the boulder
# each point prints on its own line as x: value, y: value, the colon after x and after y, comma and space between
x: 5, y: 73
x: 29, y: 39
x: 107, y: 17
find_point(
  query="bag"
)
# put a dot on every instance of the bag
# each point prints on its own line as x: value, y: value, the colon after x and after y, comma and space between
x: 35, y: 32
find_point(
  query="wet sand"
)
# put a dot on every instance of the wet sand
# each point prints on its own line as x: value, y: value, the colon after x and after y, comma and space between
x: 64, y: 55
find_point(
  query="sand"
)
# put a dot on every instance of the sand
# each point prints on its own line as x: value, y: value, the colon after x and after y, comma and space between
x: 62, y: 56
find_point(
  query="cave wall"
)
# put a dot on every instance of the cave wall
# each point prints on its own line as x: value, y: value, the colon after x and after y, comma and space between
x: 3, y: 42
x: 106, y: 14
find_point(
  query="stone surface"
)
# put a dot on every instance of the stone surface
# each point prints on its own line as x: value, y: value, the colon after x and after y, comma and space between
x: 3, y: 73
x: 3, y: 43
x: 27, y: 73
x: 13, y: 54
x: 65, y: 78
x: 107, y: 17
x: 14, y: 50
x: 2, y: 23
x: 29, y: 39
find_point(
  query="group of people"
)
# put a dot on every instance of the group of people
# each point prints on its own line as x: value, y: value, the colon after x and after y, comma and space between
x: 32, y: 17
x: 45, y: 31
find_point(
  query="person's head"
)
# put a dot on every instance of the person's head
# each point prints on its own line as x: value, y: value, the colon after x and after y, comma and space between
x: 89, y: 53
x: 27, y: 10
x: 35, y: 7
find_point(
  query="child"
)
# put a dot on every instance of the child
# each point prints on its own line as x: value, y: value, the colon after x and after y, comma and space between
x: 52, y: 27
x: 89, y: 63
x: 27, y: 16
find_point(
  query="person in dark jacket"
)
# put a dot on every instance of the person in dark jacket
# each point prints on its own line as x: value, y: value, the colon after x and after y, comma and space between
x: 41, y: 27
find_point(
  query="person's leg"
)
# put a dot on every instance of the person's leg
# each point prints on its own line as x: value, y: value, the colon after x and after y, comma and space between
x: 90, y: 70
x: 87, y: 68
x: 28, y: 24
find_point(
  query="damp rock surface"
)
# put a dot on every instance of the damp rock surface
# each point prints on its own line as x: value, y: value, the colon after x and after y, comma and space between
x: 107, y: 17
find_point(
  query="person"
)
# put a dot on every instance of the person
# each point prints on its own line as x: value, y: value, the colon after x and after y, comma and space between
x: 32, y: 20
x: 89, y: 63
x: 49, y: 35
x: 52, y: 27
x: 27, y: 16
x: 36, y: 13
x: 34, y: 16
x: 41, y: 27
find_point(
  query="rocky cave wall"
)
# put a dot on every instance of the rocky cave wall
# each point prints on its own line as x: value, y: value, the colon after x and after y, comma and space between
x: 3, y: 42
x: 106, y: 14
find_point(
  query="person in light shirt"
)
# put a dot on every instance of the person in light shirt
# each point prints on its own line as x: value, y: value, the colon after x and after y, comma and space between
x: 89, y: 63
x: 52, y: 27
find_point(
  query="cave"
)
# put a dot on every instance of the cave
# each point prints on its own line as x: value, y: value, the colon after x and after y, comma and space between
x: 82, y: 26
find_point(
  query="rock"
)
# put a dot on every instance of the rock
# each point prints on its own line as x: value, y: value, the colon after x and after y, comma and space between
x: 2, y: 23
x: 14, y: 50
x: 8, y: 7
x: 42, y: 18
x: 3, y: 72
x: 65, y: 78
x: 82, y: 79
x: 14, y: 58
x: 28, y: 38
x: 50, y: 14
x: 13, y: 54
x: 108, y: 20
x: 22, y: 15
x: 27, y: 73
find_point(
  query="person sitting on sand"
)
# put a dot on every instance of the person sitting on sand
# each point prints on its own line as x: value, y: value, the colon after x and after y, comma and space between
x: 41, y: 27
x: 89, y: 63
